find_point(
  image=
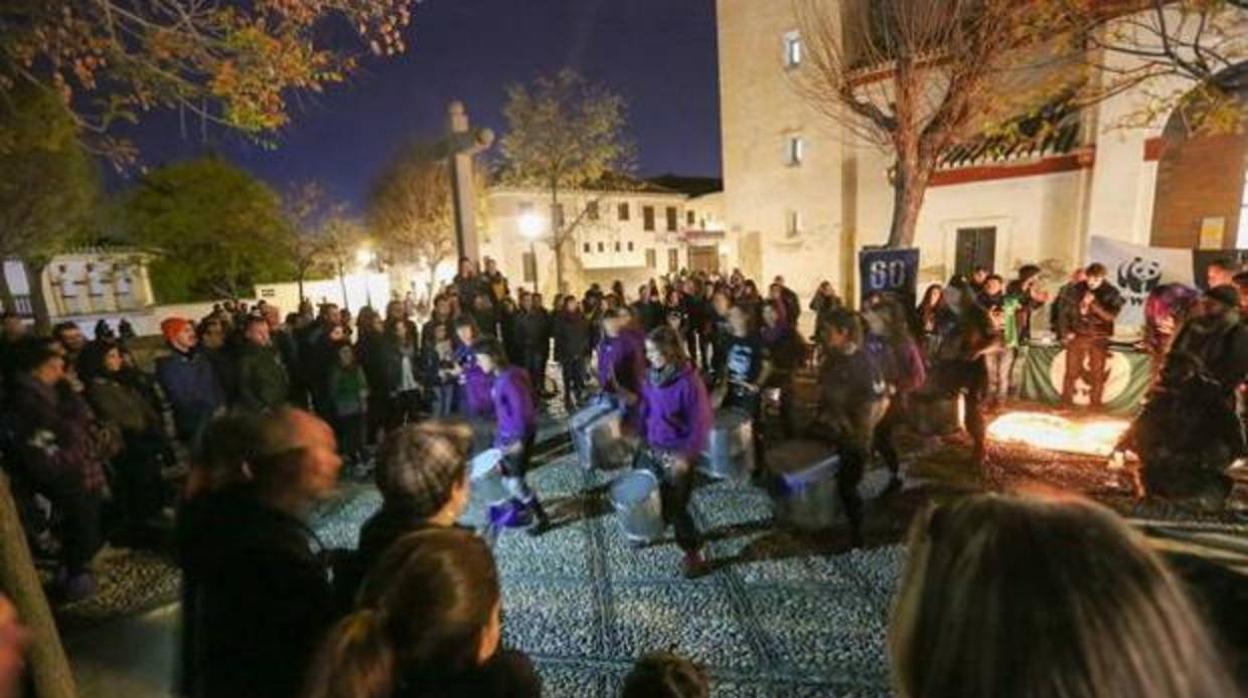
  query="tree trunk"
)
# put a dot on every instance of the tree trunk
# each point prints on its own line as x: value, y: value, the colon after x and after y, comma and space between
x: 300, y: 282
x: 909, y: 188
x: 556, y: 240
x: 49, y: 668
x: 342, y: 281
x: 38, y: 302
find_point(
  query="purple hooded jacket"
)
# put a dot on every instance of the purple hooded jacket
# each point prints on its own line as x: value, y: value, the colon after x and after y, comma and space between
x: 624, y: 357
x: 474, y: 385
x: 677, y: 414
x: 512, y: 397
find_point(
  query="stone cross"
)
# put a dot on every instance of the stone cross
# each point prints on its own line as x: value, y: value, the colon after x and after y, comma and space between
x: 462, y: 144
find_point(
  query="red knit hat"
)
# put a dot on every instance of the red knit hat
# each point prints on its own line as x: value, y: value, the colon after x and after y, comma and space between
x: 171, y: 327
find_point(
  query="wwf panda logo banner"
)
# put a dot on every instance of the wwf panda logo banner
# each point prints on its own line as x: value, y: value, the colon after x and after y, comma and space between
x: 1138, y: 269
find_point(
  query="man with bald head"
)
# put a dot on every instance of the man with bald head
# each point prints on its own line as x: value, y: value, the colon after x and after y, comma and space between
x: 257, y: 596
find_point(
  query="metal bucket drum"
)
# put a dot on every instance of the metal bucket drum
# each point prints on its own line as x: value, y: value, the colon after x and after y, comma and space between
x: 486, y: 473
x: 804, y: 493
x: 598, y: 436
x: 635, y: 496
x: 730, y: 451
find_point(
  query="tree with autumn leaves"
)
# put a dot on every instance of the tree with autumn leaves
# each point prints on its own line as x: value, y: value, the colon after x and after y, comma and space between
x: 234, y: 65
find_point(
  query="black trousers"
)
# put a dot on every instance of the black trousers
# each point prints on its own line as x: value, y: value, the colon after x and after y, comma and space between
x: 138, y: 490
x: 573, y: 379
x: 77, y: 521
x: 535, y: 364
x: 675, y: 473
x: 1094, y: 352
x: 882, y: 439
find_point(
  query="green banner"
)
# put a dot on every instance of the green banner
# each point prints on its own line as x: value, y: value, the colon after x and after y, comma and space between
x: 1128, y: 379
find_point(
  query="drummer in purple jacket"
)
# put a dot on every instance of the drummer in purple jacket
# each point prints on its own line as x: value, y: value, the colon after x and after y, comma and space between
x: 622, y: 363
x: 473, y: 396
x: 676, y: 413
x: 516, y: 427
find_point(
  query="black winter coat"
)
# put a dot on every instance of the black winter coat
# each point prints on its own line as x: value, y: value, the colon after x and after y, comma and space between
x: 572, y: 336
x: 256, y: 598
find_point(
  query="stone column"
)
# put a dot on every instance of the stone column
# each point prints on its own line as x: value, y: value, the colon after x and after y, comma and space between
x: 464, y: 144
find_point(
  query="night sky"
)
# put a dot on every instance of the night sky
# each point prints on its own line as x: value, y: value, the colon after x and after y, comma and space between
x: 659, y: 54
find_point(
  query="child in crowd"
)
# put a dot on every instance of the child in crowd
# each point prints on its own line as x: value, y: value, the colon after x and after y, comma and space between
x: 348, y: 392
x: 747, y: 368
x: 439, y: 364
x: 516, y: 427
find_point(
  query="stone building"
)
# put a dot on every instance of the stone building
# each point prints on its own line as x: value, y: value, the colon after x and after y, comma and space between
x: 802, y: 196
x: 82, y: 283
x: 632, y: 232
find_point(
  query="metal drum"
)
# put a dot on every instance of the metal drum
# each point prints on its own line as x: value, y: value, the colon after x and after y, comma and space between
x: 486, y: 473
x: 635, y: 496
x: 598, y: 436
x: 804, y: 492
x: 730, y: 451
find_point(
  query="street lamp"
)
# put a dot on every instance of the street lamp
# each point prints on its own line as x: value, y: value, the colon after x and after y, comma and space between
x: 531, y: 229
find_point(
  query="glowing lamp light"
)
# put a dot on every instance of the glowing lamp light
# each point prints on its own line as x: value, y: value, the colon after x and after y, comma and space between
x: 530, y: 225
x: 364, y: 256
x: 1055, y: 433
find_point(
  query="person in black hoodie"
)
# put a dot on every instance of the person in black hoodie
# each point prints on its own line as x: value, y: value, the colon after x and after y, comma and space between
x: 429, y: 625
x: 572, y: 348
x: 256, y: 595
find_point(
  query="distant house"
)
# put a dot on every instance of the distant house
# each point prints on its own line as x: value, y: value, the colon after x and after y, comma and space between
x: 84, y: 284
x: 631, y: 230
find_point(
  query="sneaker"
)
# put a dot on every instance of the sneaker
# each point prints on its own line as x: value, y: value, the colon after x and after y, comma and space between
x: 694, y: 565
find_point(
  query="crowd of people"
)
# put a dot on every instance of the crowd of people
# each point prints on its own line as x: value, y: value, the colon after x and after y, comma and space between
x: 272, y: 409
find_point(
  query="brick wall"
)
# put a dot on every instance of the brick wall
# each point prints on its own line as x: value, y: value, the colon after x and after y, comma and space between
x: 1197, y: 178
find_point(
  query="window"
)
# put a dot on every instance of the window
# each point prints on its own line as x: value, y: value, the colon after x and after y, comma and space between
x: 690, y: 218
x: 630, y: 247
x: 617, y: 247
x: 792, y: 49
x: 591, y: 210
x: 652, y: 259
x: 671, y: 219
x: 976, y: 247
x: 792, y: 223
x: 530, y: 267
x: 647, y: 218
x: 601, y: 248
x: 624, y: 211
x: 673, y: 259
x: 587, y: 248
x: 796, y: 151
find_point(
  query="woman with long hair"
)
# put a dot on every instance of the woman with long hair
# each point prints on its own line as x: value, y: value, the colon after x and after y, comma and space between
x: 403, y: 370
x: 137, y: 485
x: 927, y: 315
x: 900, y: 362
x: 676, y: 413
x: 1031, y: 598
x: 429, y: 625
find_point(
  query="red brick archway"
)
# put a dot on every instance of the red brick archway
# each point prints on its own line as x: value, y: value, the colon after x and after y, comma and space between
x: 1199, y: 177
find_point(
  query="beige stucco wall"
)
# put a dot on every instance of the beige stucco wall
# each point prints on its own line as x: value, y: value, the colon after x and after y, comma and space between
x: 760, y: 110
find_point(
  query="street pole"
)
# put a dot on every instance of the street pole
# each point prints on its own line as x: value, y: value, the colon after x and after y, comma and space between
x: 533, y: 255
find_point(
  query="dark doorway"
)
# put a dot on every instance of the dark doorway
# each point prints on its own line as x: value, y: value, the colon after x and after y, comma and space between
x: 977, y: 247
x: 704, y: 258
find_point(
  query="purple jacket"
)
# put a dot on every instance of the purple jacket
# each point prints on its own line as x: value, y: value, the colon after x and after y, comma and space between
x: 677, y: 415
x: 623, y: 357
x: 474, y: 385
x: 512, y: 396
